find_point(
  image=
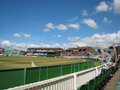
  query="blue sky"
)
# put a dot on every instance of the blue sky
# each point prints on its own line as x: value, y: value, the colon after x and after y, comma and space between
x: 58, y: 22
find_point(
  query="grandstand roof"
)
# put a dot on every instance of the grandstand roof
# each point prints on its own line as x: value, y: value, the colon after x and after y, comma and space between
x: 45, y: 48
x: 77, y: 48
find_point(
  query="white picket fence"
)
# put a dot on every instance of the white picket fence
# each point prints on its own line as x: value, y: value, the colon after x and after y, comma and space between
x: 66, y: 82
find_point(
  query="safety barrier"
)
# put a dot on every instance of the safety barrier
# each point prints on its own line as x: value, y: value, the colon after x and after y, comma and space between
x: 96, y: 83
x: 16, y: 77
x: 100, y: 80
x: 87, y: 79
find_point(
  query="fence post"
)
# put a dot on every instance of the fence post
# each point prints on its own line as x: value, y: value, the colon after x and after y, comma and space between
x: 71, y: 68
x: 75, y: 81
x: 61, y: 70
x: 47, y: 73
x: 96, y: 71
x: 25, y: 76
x: 39, y: 73
x: 74, y: 68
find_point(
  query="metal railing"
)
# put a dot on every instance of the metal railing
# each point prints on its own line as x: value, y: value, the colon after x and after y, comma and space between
x: 16, y: 77
x: 67, y: 82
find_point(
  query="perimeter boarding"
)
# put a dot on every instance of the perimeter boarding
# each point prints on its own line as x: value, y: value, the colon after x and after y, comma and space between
x: 78, y: 76
x: 21, y: 76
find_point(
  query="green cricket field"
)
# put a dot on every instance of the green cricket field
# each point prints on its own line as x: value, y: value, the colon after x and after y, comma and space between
x: 23, y: 61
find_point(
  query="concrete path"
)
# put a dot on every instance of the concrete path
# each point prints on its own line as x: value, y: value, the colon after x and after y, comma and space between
x: 112, y: 84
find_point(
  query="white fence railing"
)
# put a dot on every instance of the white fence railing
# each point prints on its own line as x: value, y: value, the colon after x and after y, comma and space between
x: 66, y: 82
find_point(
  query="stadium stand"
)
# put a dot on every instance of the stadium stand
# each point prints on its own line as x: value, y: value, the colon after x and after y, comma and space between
x: 14, y: 53
x: 78, y: 52
x: 44, y: 52
x: 59, y: 52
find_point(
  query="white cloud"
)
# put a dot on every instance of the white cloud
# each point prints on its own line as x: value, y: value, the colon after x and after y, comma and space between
x: 34, y: 45
x: 116, y: 4
x: 97, y: 40
x: 21, y: 35
x: 26, y: 35
x: 72, y: 44
x: 103, y: 40
x: 50, y: 26
x: 19, y: 46
x: 17, y: 35
x: 84, y: 13
x: 10, y: 45
x: 74, y: 26
x: 103, y: 7
x: 73, y: 38
x: 106, y: 20
x: 90, y: 22
x: 46, y: 30
x: 64, y: 45
x: 6, y: 43
x: 61, y: 27
x: 80, y: 44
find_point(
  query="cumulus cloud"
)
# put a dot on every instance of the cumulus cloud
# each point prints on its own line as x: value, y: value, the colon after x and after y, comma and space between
x: 80, y: 44
x: 74, y: 26
x: 34, y: 45
x: 10, y: 45
x: 26, y: 35
x: 84, y: 13
x: 17, y: 35
x: 106, y: 20
x: 96, y: 40
x: 6, y: 43
x: 102, y: 7
x: 103, y: 40
x: 50, y: 26
x: 19, y: 46
x: 21, y: 35
x: 61, y: 27
x: 73, y: 38
x: 40, y: 45
x: 90, y: 22
x: 46, y: 30
x: 116, y: 4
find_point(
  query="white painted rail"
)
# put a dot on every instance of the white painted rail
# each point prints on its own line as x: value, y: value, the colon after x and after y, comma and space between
x: 66, y: 82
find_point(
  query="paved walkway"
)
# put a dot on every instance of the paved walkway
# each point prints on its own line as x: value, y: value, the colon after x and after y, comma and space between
x: 112, y: 84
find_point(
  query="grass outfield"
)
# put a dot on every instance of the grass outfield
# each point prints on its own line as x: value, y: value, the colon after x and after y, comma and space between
x: 19, y: 61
